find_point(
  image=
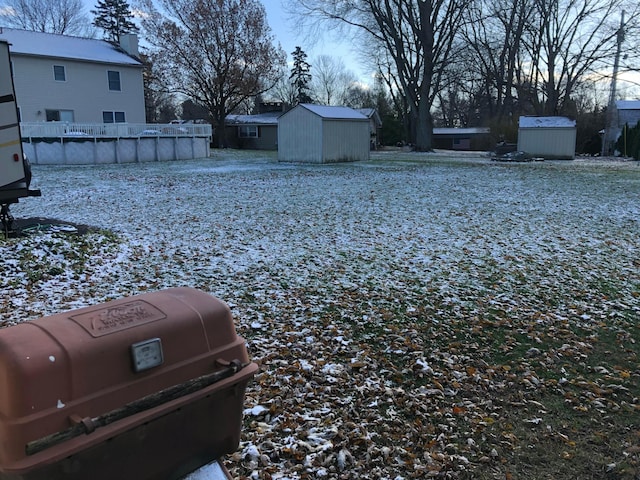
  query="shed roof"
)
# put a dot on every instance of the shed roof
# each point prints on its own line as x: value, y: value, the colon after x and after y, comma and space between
x: 461, y: 131
x: 52, y: 45
x: 628, y: 104
x: 334, y: 112
x: 267, y: 118
x: 371, y: 113
x: 546, y: 122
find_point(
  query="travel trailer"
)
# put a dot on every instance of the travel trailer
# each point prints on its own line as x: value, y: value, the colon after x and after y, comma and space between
x: 15, y: 172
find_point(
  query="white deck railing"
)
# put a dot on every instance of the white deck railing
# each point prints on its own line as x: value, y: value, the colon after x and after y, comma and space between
x: 111, y: 130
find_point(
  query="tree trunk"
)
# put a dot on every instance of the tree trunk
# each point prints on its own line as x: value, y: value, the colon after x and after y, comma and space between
x: 220, y: 133
x: 423, y: 127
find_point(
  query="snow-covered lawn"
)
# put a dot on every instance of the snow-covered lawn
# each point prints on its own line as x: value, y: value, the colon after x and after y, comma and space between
x: 401, y: 309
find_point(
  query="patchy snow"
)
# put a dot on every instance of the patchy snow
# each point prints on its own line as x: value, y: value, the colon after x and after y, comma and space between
x: 267, y: 118
x: 382, y: 299
x: 546, y: 122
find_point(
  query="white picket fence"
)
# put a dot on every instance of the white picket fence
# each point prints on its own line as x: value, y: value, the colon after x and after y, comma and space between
x: 78, y: 143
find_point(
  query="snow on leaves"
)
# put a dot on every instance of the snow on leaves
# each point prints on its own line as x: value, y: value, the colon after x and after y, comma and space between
x: 412, y: 317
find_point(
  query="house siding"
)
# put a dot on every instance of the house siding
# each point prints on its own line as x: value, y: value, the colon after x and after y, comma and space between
x: 85, y: 90
x: 267, y: 138
x: 628, y: 117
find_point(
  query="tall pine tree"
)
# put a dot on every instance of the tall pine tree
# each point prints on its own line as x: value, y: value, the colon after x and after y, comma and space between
x: 300, y: 76
x: 115, y: 18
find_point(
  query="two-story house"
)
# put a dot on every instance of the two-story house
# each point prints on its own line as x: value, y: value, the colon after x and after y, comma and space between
x: 75, y: 79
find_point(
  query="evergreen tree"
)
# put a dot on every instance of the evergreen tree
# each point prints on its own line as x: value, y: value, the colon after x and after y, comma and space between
x: 628, y: 143
x: 300, y: 76
x: 114, y: 17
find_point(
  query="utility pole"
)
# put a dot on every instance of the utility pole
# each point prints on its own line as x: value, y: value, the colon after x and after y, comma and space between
x: 611, y: 129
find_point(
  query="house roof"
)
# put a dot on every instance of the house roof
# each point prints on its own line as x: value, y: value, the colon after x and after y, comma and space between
x: 546, y: 122
x: 372, y: 114
x: 461, y: 131
x: 52, y: 45
x: 267, y: 118
x: 334, y: 112
x: 628, y: 104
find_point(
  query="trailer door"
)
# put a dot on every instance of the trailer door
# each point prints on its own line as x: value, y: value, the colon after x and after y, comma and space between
x: 11, y: 164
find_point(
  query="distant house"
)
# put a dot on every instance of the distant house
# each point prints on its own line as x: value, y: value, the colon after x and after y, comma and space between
x: 461, y: 138
x: 628, y: 112
x: 323, y: 134
x: 255, y: 132
x: 75, y: 79
x: 547, y: 137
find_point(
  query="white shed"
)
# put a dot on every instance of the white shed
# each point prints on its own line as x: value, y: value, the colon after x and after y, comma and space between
x: 547, y: 137
x: 323, y: 134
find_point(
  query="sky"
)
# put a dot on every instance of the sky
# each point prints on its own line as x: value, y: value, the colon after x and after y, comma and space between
x: 326, y: 44
x: 284, y: 33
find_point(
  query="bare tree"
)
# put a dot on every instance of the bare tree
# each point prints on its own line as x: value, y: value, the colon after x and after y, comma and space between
x: 565, y: 42
x: 51, y: 16
x: 283, y: 90
x: 331, y: 80
x: 534, y: 54
x: 418, y: 37
x: 494, y: 36
x: 217, y: 54
x: 160, y: 105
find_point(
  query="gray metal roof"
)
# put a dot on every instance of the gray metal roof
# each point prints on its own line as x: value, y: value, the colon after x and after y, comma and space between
x: 461, y: 131
x: 38, y: 44
x: 546, y: 122
x: 267, y: 118
x: 628, y: 104
x: 334, y: 112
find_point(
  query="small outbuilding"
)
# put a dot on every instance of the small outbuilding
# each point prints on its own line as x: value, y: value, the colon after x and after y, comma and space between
x: 473, y: 138
x: 375, y: 125
x: 547, y: 137
x: 323, y: 134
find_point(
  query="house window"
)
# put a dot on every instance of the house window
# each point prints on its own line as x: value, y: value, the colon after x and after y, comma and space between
x: 59, y: 115
x: 114, y: 80
x: 59, y: 74
x: 113, y: 117
x: 248, y: 131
